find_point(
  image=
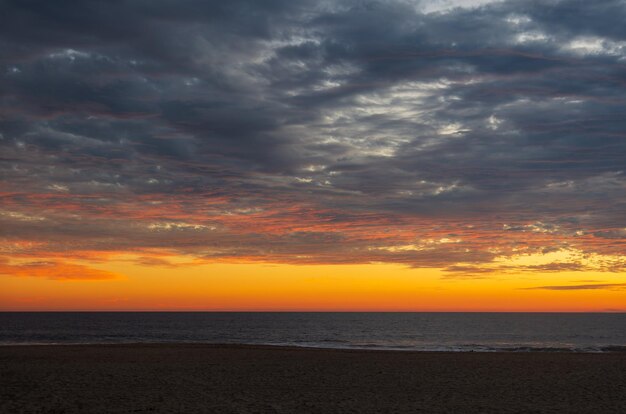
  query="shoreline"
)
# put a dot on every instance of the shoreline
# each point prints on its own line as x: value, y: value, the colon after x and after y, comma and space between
x: 608, y: 349
x: 270, y: 379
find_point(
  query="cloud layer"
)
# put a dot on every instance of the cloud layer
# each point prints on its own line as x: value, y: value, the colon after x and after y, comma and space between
x: 314, y: 132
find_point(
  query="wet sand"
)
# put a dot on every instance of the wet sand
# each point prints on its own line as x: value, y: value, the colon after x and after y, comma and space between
x: 245, y: 379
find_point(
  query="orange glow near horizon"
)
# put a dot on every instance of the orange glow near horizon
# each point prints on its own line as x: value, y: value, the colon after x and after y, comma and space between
x: 120, y: 285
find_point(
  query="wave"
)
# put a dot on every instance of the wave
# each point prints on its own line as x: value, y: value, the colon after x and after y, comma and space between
x: 449, y: 348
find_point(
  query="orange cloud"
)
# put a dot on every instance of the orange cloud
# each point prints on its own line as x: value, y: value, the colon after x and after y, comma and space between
x: 608, y: 286
x: 56, y: 270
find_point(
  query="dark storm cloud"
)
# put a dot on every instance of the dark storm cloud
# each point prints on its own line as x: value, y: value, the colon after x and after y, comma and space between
x: 502, y: 124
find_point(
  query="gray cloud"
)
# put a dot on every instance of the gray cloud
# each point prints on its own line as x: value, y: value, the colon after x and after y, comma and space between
x: 303, y: 131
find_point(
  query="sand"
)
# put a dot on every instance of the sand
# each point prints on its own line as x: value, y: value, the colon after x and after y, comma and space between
x: 241, y: 379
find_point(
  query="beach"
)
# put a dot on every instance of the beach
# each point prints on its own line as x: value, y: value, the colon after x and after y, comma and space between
x: 195, y: 378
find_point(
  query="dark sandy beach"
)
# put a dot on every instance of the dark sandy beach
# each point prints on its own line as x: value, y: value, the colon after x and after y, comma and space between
x: 239, y: 379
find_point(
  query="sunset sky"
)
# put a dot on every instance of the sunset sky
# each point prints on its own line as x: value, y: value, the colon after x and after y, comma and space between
x: 435, y: 155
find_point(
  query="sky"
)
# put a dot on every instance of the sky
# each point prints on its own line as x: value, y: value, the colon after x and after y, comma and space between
x: 442, y: 155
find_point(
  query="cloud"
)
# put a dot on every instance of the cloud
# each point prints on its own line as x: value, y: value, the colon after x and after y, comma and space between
x: 595, y: 286
x: 313, y: 132
x: 56, y: 270
x: 153, y: 261
x: 558, y: 267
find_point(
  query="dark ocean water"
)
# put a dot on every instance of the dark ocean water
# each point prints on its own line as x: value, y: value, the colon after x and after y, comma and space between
x: 578, y: 332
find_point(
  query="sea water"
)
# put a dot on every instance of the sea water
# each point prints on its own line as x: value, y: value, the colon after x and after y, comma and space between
x: 520, y: 332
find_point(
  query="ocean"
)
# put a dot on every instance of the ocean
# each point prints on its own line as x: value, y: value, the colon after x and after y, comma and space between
x: 477, y: 332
